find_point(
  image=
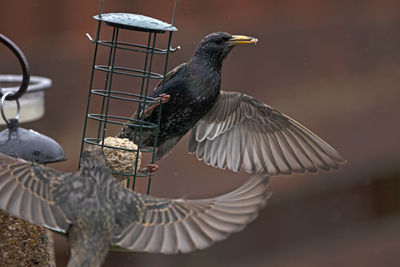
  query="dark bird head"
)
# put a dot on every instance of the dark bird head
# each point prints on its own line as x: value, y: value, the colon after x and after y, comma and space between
x: 216, y: 46
x: 93, y: 156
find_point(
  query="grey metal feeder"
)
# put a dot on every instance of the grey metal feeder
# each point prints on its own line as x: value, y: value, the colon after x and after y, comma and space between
x: 19, y: 142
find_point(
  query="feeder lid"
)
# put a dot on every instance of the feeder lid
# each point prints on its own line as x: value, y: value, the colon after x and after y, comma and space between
x: 29, y: 145
x: 135, y: 22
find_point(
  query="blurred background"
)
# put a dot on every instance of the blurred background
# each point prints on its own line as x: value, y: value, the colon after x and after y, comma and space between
x: 334, y: 66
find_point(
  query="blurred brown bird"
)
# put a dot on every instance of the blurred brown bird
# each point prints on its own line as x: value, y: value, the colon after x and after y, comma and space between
x: 96, y: 211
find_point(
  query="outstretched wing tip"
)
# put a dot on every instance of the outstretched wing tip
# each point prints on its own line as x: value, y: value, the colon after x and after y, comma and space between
x: 242, y: 134
x: 195, y: 224
x: 25, y: 192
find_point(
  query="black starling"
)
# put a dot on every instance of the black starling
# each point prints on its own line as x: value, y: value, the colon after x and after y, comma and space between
x: 96, y: 211
x: 230, y: 130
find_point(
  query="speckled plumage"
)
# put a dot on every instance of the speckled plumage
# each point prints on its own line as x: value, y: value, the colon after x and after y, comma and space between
x: 194, y: 87
x: 96, y: 211
x: 231, y: 130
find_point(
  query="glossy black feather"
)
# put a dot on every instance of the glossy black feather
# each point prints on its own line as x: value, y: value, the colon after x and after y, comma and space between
x: 194, y: 87
x: 230, y: 130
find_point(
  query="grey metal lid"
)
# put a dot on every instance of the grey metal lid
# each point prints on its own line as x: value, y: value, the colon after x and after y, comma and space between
x: 135, y: 22
x: 29, y: 145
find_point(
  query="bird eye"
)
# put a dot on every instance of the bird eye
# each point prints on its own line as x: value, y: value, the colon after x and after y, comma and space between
x: 219, y: 40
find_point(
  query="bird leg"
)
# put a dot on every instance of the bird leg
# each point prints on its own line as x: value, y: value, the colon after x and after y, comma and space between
x: 150, y: 168
x: 164, y: 98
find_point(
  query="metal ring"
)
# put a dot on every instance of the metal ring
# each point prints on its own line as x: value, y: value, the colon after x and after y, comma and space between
x: 36, y: 83
x: 3, y: 99
x: 24, y: 65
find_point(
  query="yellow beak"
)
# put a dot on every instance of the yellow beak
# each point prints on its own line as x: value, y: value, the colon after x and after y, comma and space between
x: 242, y: 39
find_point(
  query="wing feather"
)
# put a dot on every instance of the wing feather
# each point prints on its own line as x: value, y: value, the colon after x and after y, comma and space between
x: 26, y: 192
x: 242, y: 134
x: 192, y: 224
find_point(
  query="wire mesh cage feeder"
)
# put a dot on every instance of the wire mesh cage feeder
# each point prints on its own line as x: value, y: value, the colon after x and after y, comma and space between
x: 103, y: 110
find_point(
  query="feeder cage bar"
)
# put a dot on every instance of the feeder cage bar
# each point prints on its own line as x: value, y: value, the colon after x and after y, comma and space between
x: 105, y: 117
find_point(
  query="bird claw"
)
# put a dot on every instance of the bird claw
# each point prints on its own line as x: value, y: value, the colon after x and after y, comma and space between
x: 150, y: 168
x: 164, y: 98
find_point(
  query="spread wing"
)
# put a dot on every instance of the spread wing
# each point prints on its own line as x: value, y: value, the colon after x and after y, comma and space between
x: 27, y: 190
x: 172, y: 226
x: 242, y: 134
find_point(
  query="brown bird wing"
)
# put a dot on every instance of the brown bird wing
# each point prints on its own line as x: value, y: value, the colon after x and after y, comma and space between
x: 172, y: 226
x: 242, y: 134
x: 27, y: 191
